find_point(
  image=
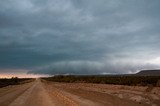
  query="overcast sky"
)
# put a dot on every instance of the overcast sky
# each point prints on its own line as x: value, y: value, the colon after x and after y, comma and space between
x: 79, y: 36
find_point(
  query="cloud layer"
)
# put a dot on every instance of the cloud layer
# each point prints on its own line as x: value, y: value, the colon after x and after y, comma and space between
x: 80, y: 37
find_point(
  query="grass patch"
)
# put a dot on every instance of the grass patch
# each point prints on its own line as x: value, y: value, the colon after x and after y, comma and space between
x: 14, y: 81
x: 118, y: 80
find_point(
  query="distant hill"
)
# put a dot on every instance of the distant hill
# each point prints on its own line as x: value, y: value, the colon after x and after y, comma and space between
x: 149, y: 73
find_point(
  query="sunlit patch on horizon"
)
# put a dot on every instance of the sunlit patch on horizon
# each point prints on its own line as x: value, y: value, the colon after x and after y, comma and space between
x: 155, y: 61
x: 21, y: 75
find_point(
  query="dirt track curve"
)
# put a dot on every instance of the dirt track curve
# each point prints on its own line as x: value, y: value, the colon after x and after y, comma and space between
x: 43, y: 93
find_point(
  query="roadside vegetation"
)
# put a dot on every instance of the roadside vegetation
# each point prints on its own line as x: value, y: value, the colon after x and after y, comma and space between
x: 118, y: 80
x: 14, y: 81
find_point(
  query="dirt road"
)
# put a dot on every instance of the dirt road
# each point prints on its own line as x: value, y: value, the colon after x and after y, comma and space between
x: 43, y: 93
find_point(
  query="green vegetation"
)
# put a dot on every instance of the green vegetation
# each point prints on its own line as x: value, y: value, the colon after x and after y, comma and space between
x: 13, y: 81
x: 120, y: 80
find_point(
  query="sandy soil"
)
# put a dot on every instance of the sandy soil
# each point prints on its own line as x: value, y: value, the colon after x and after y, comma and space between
x: 116, y: 95
x: 44, y: 93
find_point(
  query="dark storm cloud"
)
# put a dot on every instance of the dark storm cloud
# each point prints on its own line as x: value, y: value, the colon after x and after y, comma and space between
x: 79, y: 36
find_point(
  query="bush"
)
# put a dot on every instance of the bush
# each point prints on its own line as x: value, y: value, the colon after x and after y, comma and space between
x: 120, y: 80
x: 12, y: 81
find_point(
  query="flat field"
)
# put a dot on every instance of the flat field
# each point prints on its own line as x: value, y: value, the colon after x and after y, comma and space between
x: 42, y: 92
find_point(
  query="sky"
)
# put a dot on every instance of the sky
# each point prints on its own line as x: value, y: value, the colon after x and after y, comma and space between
x: 79, y: 36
